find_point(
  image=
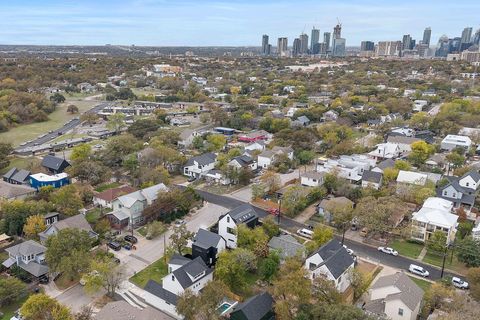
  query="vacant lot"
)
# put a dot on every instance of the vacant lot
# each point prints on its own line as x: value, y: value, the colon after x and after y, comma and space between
x: 407, y: 249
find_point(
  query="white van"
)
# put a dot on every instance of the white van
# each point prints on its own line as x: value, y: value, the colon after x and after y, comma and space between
x: 305, y: 233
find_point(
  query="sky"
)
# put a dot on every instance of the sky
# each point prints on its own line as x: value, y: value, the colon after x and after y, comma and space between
x: 225, y: 23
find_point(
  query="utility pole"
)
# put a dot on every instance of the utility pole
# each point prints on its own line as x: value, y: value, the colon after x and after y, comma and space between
x: 279, y: 210
x: 443, y: 262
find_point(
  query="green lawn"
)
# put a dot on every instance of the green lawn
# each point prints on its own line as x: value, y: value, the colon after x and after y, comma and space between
x: 452, y: 264
x: 107, y: 186
x: 20, y: 163
x: 93, y: 215
x: 24, y: 132
x: 156, y: 271
x: 421, y: 283
x: 8, y: 311
x: 407, y: 249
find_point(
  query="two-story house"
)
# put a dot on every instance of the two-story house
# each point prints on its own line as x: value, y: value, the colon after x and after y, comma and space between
x: 105, y: 198
x: 386, y: 150
x: 200, y: 165
x: 28, y: 255
x: 461, y: 190
x: 312, y: 178
x: 54, y: 164
x: 333, y: 262
x: 76, y: 222
x: 227, y: 224
x: 453, y: 141
x: 350, y: 167
x: 243, y: 162
x: 207, y: 245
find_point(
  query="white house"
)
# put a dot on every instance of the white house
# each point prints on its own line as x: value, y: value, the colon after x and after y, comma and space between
x: 187, y: 136
x: 453, y: 141
x: 288, y: 151
x: 28, y: 255
x: 332, y: 262
x: 411, y: 178
x: 216, y: 176
x: 348, y: 167
x: 227, y: 224
x: 418, y: 105
x: 312, y: 178
x: 461, y: 190
x: 435, y: 215
x: 404, y: 143
x: 386, y: 150
x: 199, y: 165
x: 243, y: 162
x: 395, y: 297
x: 372, y: 179
x: 257, y: 145
x: 291, y: 112
x: 267, y: 157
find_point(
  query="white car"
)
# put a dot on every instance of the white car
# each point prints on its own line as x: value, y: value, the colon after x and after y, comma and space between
x: 459, y: 283
x: 418, y: 270
x: 349, y: 251
x: 388, y: 250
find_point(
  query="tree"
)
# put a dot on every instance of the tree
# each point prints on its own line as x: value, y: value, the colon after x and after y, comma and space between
x: 180, y: 237
x: 402, y: 165
x: 216, y: 142
x: 358, y: 282
x: 375, y: 214
x: 143, y: 127
x: 291, y: 289
x: 270, y: 227
x: 34, y: 225
x: 81, y: 152
x: 67, y: 200
x: 305, y: 156
x: 342, y: 215
x: 323, y: 290
x: 68, y: 252
x: 294, y: 200
x: 154, y: 229
x: 456, y: 159
x: 321, y: 235
x: 258, y: 190
x: 116, y: 122
x: 42, y: 307
x: 473, y: 277
x: 202, y: 306
x: 89, y: 117
x: 437, y: 242
x: 421, y: 120
x: 232, y: 267
x: 72, y: 109
x: 11, y: 290
x: 271, y: 181
x: 435, y: 297
x: 85, y: 313
x: 91, y: 171
x: 57, y: 98
x: 330, y: 182
x: 389, y: 175
x: 468, y: 252
x: 5, y: 150
x: 108, y: 276
x: 254, y: 240
x: 420, y: 152
x: 268, y: 266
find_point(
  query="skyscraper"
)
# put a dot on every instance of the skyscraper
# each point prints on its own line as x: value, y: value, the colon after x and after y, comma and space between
x: 265, y: 47
x: 282, y: 47
x: 367, y: 46
x: 296, y: 47
x: 388, y: 48
x: 465, y: 41
x: 314, y: 41
x: 326, y: 41
x: 407, y: 42
x: 476, y: 38
x: 337, y: 31
x: 427, y: 34
x: 303, y: 43
x: 338, y: 48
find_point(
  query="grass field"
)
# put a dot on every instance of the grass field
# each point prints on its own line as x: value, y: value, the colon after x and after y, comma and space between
x: 407, y: 249
x: 19, y: 163
x: 437, y: 259
x: 156, y: 271
x: 57, y: 118
x: 107, y: 186
x: 421, y: 283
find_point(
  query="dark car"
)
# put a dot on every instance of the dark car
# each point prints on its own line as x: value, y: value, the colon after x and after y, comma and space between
x: 114, y: 245
x: 130, y: 239
x: 127, y: 246
x: 116, y: 260
x: 43, y: 280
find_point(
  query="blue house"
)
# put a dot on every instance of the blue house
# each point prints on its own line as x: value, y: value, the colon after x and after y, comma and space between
x: 39, y: 180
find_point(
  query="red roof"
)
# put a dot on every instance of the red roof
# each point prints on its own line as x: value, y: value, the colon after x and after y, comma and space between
x: 112, y: 194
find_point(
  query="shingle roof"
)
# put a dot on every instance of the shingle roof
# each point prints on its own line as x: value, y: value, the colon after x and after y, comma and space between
x: 113, y: 193
x: 256, y: 307
x: 372, y: 176
x: 335, y: 257
x: 178, y: 260
x: 402, y: 139
x: 287, y: 245
x: 206, y: 239
x: 53, y: 162
x: 122, y: 310
x: 389, y: 163
x: 474, y: 174
x: 26, y: 248
x: 243, y: 213
x: 410, y: 293
x: 17, y: 175
x: 203, y: 159
x: 34, y: 268
x: 191, y: 269
x: 156, y: 289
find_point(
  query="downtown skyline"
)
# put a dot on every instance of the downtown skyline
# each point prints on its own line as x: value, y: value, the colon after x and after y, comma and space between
x: 224, y: 23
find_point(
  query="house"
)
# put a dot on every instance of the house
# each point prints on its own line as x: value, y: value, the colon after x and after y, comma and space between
x: 453, y: 141
x: 476, y: 230
x: 312, y: 178
x: 105, y: 198
x: 461, y: 190
x: 51, y: 218
x: 386, y: 150
x: 394, y: 297
x: 199, y: 165
x: 257, y: 145
x: 260, y: 135
x: 437, y: 160
x: 381, y: 166
x: 207, y: 245
x: 418, y: 105
x: 184, y: 274
x: 128, y: 208
x: 287, y: 247
x: 76, y: 222
x: 330, y: 115
x: 258, y: 307
x: 404, y: 143
x: 301, y: 121
x: 58, y: 180
x: 332, y: 262
x: 54, y: 164
x: 372, y: 179
x: 265, y: 159
x: 435, y: 215
x: 411, y: 178
x: 402, y: 131
x: 288, y: 151
x: 122, y: 310
x: 350, y: 167
x: 227, y: 224
x: 10, y: 191
x: 28, y: 255
x: 216, y: 176
x: 325, y: 206
x: 243, y: 162
x: 186, y: 137
x: 16, y: 176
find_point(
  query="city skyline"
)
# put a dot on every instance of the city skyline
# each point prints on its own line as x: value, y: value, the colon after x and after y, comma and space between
x: 224, y: 23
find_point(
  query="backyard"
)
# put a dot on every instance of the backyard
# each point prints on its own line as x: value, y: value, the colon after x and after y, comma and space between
x: 156, y: 271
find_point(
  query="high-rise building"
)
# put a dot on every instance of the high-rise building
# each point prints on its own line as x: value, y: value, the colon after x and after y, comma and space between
x: 337, y: 31
x: 443, y: 47
x: 465, y: 41
x: 367, y: 46
x: 282, y: 47
x: 265, y: 47
x: 314, y: 41
x: 427, y: 34
x: 303, y: 43
x: 338, y: 47
x: 476, y: 38
x: 407, y: 42
x: 326, y: 41
x: 388, y: 48
x: 296, y: 47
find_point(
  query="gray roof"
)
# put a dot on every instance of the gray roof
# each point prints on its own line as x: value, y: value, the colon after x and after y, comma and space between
x: 314, y: 174
x: 178, y: 260
x: 34, y: 268
x: 122, y: 310
x: 203, y: 159
x: 156, y: 289
x: 256, y: 307
x: 191, y: 269
x: 402, y: 139
x: 26, y: 248
x: 206, y: 239
x: 335, y: 257
x: 372, y: 176
x: 303, y: 119
x: 78, y: 222
x: 243, y: 213
x: 388, y: 163
x: 53, y: 162
x: 243, y: 160
x: 410, y: 293
x: 474, y: 174
x: 267, y: 154
x: 17, y: 175
x: 287, y: 246
x: 453, y: 181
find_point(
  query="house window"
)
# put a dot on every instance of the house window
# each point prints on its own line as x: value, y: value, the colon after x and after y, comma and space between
x: 173, y: 277
x: 400, y: 311
x: 445, y: 192
x: 454, y: 195
x: 228, y: 219
x: 230, y: 230
x: 468, y: 184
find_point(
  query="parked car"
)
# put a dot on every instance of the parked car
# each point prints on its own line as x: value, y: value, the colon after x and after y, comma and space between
x: 114, y: 245
x: 116, y: 260
x: 178, y: 223
x: 131, y: 239
x: 364, y: 232
x: 388, y: 250
x: 459, y: 283
x: 43, y: 280
x: 305, y: 233
x: 127, y: 246
x: 350, y: 251
x: 418, y: 270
